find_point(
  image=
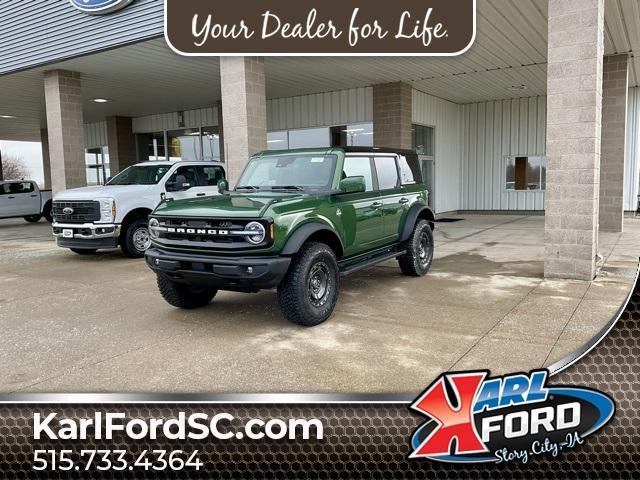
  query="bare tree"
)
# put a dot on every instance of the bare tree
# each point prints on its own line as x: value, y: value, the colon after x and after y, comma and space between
x: 13, y: 167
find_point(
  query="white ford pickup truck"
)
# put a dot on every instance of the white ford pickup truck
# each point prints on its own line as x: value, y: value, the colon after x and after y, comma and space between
x: 23, y: 198
x: 91, y: 218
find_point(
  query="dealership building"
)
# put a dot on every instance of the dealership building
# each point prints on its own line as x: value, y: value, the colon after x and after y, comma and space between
x: 540, y: 115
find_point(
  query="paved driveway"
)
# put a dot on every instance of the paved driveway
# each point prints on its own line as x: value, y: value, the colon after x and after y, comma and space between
x: 96, y: 323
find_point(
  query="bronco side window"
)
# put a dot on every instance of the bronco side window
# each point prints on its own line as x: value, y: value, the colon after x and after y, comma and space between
x: 359, y: 166
x: 387, y: 173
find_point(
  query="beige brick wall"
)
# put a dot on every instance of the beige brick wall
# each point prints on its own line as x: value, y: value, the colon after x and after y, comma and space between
x: 244, y: 111
x: 121, y: 142
x: 615, y: 87
x: 65, y: 126
x: 46, y: 164
x: 392, y: 115
x: 574, y: 111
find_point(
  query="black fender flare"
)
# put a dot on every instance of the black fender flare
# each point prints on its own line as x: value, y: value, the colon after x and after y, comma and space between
x: 415, y: 212
x: 302, y: 234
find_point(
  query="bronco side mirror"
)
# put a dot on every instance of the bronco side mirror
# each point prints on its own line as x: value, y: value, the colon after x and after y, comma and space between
x: 223, y: 186
x: 353, y: 184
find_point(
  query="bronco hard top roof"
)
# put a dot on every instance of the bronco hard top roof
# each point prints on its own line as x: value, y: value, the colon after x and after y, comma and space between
x: 329, y: 150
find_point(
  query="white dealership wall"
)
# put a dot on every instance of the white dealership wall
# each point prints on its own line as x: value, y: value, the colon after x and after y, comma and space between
x: 471, y: 143
x: 490, y: 132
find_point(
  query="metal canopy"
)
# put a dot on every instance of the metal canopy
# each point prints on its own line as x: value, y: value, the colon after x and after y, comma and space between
x: 508, y: 60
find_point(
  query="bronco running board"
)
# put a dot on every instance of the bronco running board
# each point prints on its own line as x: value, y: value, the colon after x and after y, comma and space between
x: 370, y: 262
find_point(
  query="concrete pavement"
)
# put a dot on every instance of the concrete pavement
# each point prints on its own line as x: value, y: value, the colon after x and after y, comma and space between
x: 97, y: 323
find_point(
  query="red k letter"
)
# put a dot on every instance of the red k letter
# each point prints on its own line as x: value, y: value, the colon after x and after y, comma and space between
x: 452, y: 423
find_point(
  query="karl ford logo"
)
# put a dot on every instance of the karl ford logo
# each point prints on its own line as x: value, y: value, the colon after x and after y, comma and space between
x: 68, y: 211
x: 99, y: 7
x: 330, y: 27
x: 473, y: 418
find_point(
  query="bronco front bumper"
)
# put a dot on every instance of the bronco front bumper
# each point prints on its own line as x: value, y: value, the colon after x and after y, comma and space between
x: 245, y: 274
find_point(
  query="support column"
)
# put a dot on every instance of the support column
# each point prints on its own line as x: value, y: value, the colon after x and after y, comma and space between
x: 392, y: 115
x: 121, y: 143
x: 574, y: 112
x: 615, y: 88
x: 244, y: 111
x: 220, y: 129
x: 62, y: 91
x: 46, y: 164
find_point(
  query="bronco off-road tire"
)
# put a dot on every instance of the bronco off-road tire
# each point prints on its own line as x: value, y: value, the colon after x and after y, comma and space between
x: 135, y: 239
x: 184, y: 296
x: 33, y: 218
x: 84, y: 251
x: 417, y: 261
x: 309, y: 291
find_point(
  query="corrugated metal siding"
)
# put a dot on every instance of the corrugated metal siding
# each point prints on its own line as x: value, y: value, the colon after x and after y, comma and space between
x: 632, y: 160
x: 321, y: 109
x: 492, y: 131
x: 95, y: 134
x: 37, y: 32
x: 445, y: 117
x: 201, y: 117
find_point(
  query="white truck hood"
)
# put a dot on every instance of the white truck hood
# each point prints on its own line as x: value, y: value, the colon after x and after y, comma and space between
x: 103, y: 191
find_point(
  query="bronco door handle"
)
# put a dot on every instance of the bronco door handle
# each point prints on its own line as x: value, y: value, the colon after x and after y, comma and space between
x: 376, y: 204
x: 404, y: 200
x: 201, y: 194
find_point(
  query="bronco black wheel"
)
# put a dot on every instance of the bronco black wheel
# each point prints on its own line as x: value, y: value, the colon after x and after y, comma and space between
x: 417, y: 261
x: 308, y: 293
x: 184, y: 296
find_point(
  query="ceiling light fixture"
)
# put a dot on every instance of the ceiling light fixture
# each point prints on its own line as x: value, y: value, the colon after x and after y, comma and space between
x: 100, y: 100
x: 7, y: 116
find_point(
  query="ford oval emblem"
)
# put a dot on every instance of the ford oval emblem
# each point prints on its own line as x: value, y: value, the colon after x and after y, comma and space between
x: 68, y: 211
x: 99, y: 7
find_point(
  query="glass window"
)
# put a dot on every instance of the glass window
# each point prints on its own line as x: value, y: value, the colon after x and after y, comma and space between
x: 360, y: 135
x: 5, y: 189
x: 21, y: 187
x: 359, y: 166
x: 386, y: 172
x: 151, y: 146
x: 309, y: 138
x: 289, y: 172
x: 409, y: 170
x: 189, y: 172
x: 210, y: 144
x: 96, y: 165
x: 184, y: 144
x: 210, y: 175
x: 422, y: 140
x: 525, y: 173
x: 140, y: 175
x: 278, y: 140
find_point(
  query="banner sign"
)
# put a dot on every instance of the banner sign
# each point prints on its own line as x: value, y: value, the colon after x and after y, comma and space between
x: 332, y: 27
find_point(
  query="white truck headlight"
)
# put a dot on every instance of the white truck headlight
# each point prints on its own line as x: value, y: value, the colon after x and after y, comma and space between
x: 260, y: 235
x: 107, y: 210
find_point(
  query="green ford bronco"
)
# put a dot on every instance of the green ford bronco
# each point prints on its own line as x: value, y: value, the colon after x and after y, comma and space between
x: 297, y: 220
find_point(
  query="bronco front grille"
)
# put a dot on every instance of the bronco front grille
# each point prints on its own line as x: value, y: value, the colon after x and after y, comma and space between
x: 76, y: 211
x: 205, y: 233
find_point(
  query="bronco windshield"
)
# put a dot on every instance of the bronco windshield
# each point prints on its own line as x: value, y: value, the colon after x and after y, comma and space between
x: 289, y: 172
x: 140, y: 175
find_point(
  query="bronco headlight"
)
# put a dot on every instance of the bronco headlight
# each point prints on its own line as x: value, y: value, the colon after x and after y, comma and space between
x: 260, y: 235
x: 107, y: 210
x: 153, y: 225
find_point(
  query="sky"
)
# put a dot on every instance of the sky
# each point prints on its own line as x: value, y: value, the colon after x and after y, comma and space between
x: 31, y: 154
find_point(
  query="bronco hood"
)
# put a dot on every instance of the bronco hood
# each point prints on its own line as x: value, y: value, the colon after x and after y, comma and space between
x: 232, y: 205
